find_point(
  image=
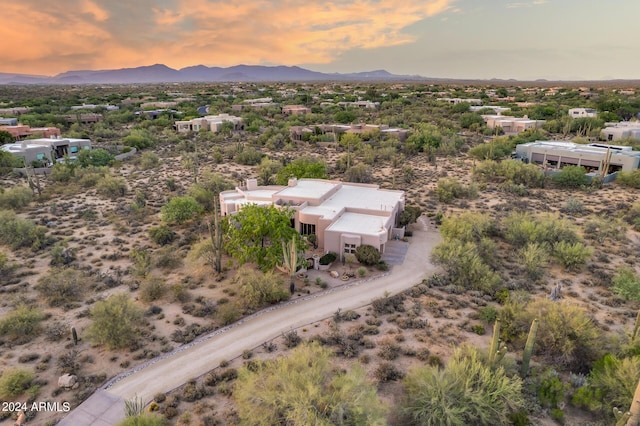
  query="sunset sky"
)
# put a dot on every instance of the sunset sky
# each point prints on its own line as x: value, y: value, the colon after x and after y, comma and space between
x: 526, y: 39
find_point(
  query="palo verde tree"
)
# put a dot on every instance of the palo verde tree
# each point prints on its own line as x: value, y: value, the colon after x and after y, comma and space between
x: 256, y: 234
x: 306, y: 388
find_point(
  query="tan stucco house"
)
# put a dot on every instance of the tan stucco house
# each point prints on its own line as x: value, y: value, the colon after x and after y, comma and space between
x: 342, y: 215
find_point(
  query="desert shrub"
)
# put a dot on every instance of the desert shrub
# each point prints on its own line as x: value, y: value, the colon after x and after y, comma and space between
x: 162, y: 235
x: 305, y: 167
x: 112, y: 187
x: 248, y: 156
x: 90, y: 176
x: 630, y: 179
x: 573, y: 206
x: 63, y: 172
x: 368, y: 255
x: 494, y: 150
x: 145, y: 419
x: 180, y: 209
x: 468, y: 227
x: 291, y: 339
x: 571, y: 177
x: 571, y: 256
x: 388, y: 304
x: 21, y: 325
x: 534, y: 257
x: 305, y: 388
x: 61, y: 254
x: 466, y: 391
x: 149, y: 160
x: 62, y: 286
x: 626, y: 283
x: 328, y: 258
x: 550, y: 390
x: 139, y: 138
x: 15, y: 198
x: 388, y: 372
x: 97, y: 157
x: 152, y: 289
x: 167, y: 259
x: 567, y: 337
x: 449, y: 189
x: 360, y: 173
x: 114, y: 322
x: 18, y: 233
x: 7, y: 160
x: 611, y: 383
x: 464, y: 266
x: 259, y: 289
x: 15, y: 382
x: 409, y: 215
x: 523, y: 228
x: 520, y: 173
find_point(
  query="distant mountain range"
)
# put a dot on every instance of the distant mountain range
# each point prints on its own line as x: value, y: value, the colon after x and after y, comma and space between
x: 163, y: 74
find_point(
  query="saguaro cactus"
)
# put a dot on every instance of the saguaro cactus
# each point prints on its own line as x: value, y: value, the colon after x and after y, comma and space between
x: 528, y: 348
x: 496, y: 353
x: 74, y: 334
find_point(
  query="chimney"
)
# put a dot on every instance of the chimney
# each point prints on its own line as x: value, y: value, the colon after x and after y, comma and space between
x: 293, y: 182
x: 252, y: 184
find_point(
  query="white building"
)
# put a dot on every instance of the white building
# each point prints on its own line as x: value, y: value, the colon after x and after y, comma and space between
x: 593, y: 156
x: 582, y: 112
x: 342, y: 215
x: 511, y: 124
x: 212, y: 123
x: 621, y: 130
x: 47, y: 150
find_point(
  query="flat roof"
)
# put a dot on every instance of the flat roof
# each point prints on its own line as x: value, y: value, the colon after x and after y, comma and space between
x: 358, y: 223
x: 259, y: 193
x: 307, y: 189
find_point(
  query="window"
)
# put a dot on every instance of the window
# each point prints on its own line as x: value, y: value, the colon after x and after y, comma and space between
x: 40, y: 156
x: 350, y: 248
x: 307, y: 229
x: 74, y: 149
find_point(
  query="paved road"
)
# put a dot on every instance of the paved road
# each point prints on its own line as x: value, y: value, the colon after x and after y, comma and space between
x: 106, y: 407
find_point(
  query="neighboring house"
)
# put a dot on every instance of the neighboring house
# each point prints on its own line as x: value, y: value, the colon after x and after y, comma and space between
x: 158, y: 104
x: 22, y: 131
x: 87, y: 118
x: 295, y: 110
x: 511, y: 124
x: 8, y: 122
x: 342, y: 215
x: 297, y: 133
x: 212, y: 123
x: 460, y: 100
x: 497, y: 109
x: 582, y: 112
x: 360, y: 104
x: 621, y: 130
x: 594, y: 157
x: 14, y: 110
x: 155, y: 113
x: 92, y: 106
x: 29, y: 152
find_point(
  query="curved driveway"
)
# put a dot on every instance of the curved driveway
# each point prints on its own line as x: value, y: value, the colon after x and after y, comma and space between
x: 106, y: 406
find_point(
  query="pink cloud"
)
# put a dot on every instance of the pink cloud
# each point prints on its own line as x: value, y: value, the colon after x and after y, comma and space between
x: 72, y: 34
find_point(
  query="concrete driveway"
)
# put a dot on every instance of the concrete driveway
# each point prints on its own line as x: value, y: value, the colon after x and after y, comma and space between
x: 106, y: 407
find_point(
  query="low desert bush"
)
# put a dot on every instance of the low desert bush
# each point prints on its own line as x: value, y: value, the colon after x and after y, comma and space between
x: 15, y: 198
x: 368, y: 255
x: 21, y: 325
x: 112, y: 187
x: 62, y: 286
x: 20, y: 233
x: 15, y: 383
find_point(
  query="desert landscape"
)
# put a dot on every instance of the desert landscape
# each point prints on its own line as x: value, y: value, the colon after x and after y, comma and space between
x: 516, y: 246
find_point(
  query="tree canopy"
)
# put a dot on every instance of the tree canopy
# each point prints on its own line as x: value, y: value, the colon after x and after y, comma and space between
x: 256, y: 233
x: 305, y: 388
x: 302, y: 168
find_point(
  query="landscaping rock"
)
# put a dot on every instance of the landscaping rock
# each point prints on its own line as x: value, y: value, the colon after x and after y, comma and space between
x: 67, y: 381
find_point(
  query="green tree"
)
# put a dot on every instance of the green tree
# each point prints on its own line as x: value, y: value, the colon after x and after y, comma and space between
x: 464, y: 266
x: 571, y: 177
x: 139, y: 138
x: 21, y: 325
x: 467, y: 391
x: 626, y: 283
x: 305, y: 388
x: 259, y: 289
x: 5, y: 137
x: 115, y: 322
x: 7, y: 162
x: 180, y: 209
x: 305, y: 167
x: 255, y: 234
x: 368, y: 255
x: 95, y: 157
x: 15, y: 383
x: 345, y: 117
x: 62, y: 286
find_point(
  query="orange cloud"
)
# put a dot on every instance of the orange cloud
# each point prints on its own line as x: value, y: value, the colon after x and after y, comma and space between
x: 98, y: 34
